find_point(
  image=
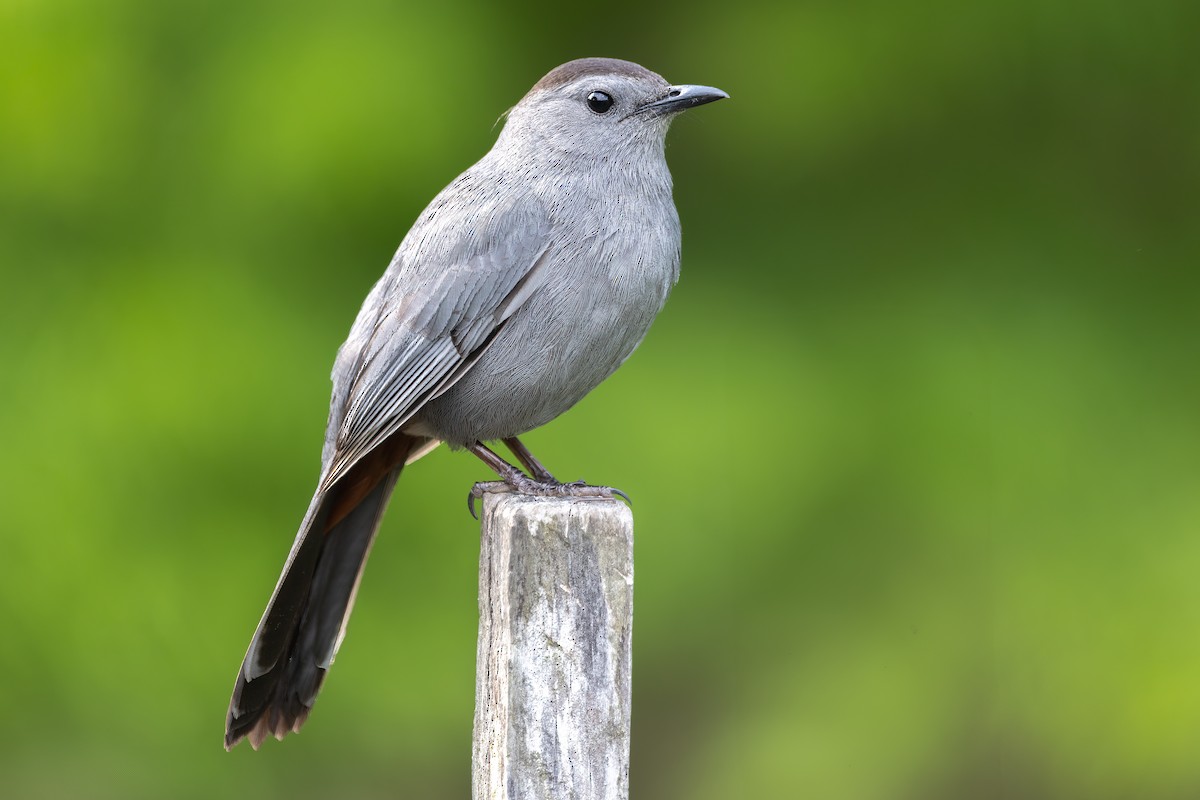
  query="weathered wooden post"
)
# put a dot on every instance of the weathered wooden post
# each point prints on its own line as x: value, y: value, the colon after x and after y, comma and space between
x: 552, y: 683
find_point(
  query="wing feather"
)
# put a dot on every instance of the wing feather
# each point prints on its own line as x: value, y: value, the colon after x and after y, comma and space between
x: 455, y: 279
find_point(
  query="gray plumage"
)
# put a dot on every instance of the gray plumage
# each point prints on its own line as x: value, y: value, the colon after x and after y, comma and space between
x: 524, y: 284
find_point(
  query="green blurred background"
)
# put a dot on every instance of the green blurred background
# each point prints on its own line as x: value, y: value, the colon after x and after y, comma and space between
x: 915, y: 447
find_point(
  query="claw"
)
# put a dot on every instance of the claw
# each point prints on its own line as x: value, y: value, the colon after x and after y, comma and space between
x: 479, y: 489
x: 617, y: 492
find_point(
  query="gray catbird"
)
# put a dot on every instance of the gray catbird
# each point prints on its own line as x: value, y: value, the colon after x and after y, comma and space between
x: 521, y: 287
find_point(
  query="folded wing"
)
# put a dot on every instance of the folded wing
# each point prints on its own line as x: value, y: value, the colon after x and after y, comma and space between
x: 455, y: 280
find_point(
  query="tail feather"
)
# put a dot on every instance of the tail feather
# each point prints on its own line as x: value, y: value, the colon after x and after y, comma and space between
x: 306, y: 619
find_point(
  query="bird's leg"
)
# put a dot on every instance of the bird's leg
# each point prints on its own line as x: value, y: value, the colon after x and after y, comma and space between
x: 512, y: 478
x: 527, y: 459
x: 507, y: 472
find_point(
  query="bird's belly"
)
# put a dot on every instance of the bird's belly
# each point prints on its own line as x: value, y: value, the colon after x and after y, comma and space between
x: 558, y: 347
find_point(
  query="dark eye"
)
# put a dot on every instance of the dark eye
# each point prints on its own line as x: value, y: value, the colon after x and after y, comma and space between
x: 599, y: 102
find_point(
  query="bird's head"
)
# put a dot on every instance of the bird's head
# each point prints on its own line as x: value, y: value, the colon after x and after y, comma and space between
x: 600, y: 107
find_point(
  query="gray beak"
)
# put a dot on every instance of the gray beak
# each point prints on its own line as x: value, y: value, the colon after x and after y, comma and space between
x: 683, y: 97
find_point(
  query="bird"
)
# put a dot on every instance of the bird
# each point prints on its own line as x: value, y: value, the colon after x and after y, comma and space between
x: 525, y: 283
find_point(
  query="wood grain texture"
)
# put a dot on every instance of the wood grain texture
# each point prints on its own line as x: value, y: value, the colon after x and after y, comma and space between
x: 552, y: 696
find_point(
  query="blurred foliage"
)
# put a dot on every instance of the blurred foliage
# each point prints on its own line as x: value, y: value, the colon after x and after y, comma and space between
x: 915, y: 446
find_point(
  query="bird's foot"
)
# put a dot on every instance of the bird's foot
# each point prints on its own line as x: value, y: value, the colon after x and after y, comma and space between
x: 542, y: 484
x: 523, y: 484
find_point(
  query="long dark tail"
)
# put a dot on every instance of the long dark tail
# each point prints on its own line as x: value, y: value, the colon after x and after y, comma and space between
x: 306, y: 619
